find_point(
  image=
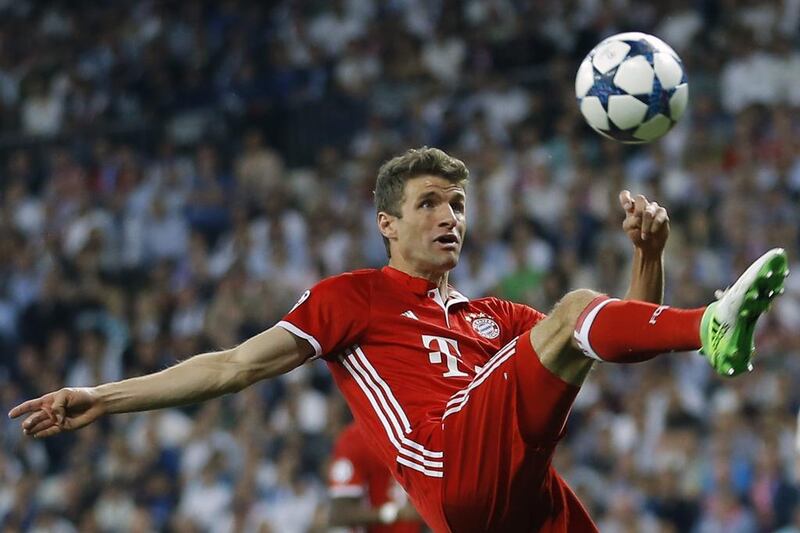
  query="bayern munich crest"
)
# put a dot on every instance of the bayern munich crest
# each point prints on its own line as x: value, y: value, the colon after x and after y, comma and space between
x: 486, y: 327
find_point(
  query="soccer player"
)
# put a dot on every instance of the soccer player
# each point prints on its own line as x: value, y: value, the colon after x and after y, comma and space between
x: 463, y: 400
x: 363, y: 491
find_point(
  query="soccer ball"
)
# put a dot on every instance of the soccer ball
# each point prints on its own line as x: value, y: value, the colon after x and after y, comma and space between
x: 632, y: 88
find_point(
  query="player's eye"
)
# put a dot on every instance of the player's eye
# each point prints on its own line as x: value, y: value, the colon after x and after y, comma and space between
x: 426, y: 204
x: 458, y: 207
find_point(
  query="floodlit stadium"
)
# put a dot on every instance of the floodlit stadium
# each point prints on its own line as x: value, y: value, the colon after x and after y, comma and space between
x: 175, y: 175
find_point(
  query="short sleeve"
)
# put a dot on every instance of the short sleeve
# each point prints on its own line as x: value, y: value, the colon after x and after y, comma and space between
x: 521, y: 318
x: 347, y: 477
x: 332, y: 314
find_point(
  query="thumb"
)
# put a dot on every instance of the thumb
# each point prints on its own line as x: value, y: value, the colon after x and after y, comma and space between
x: 59, y: 407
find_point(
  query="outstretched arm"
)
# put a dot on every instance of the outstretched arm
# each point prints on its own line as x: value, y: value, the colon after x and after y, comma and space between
x: 268, y: 354
x: 647, y: 225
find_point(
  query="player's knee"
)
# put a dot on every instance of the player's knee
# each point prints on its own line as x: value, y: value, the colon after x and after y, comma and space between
x: 572, y: 305
x: 552, y: 338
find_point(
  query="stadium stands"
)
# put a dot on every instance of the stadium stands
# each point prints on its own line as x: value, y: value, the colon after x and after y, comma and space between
x: 173, y: 175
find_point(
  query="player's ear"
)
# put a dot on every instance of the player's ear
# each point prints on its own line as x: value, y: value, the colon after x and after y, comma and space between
x: 387, y: 225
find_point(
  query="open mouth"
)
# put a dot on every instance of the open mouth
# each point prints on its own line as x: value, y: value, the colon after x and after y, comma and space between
x: 447, y: 241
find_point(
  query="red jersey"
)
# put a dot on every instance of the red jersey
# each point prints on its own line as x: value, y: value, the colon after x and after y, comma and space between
x: 356, y: 472
x: 398, y: 353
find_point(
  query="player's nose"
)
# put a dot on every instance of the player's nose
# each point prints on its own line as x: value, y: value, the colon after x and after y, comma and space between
x: 448, y: 218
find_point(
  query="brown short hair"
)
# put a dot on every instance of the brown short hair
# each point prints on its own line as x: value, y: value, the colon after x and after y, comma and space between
x: 393, y: 174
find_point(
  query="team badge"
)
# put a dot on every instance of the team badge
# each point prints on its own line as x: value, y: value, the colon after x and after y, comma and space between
x: 486, y: 327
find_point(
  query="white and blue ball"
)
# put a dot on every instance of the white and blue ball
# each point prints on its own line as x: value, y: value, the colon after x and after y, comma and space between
x: 632, y: 88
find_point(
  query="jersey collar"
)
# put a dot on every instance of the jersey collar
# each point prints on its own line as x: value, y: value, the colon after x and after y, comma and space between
x: 421, y: 286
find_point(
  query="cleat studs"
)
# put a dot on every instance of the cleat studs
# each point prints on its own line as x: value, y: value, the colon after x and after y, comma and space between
x: 770, y: 294
x: 744, y: 313
x: 749, y: 367
x: 730, y: 371
x: 781, y: 291
x: 768, y: 274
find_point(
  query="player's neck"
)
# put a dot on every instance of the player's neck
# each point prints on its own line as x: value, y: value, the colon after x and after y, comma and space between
x: 437, y: 278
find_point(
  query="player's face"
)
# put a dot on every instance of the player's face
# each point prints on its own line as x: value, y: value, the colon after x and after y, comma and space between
x: 427, y: 238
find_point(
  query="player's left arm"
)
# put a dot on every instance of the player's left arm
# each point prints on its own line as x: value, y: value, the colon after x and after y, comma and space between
x: 647, y: 226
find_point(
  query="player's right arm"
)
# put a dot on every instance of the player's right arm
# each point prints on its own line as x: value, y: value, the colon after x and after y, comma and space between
x: 318, y: 324
x: 205, y: 376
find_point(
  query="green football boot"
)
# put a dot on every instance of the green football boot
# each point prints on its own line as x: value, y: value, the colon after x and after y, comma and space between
x: 728, y: 324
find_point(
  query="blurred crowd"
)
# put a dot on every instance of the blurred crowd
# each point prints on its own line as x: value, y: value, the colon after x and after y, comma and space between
x: 173, y: 175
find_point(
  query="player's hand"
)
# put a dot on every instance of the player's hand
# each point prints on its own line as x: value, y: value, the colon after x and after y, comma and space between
x: 646, y: 223
x: 62, y: 410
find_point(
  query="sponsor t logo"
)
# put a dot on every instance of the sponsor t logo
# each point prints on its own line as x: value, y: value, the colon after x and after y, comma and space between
x: 446, y: 351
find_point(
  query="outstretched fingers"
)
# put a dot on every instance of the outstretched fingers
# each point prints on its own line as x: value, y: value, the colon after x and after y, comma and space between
x: 26, y: 407
x: 46, y: 414
x: 39, y: 426
x: 35, y: 419
x: 47, y: 432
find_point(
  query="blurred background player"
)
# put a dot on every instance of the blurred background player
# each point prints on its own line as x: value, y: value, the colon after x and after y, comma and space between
x: 363, y: 493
